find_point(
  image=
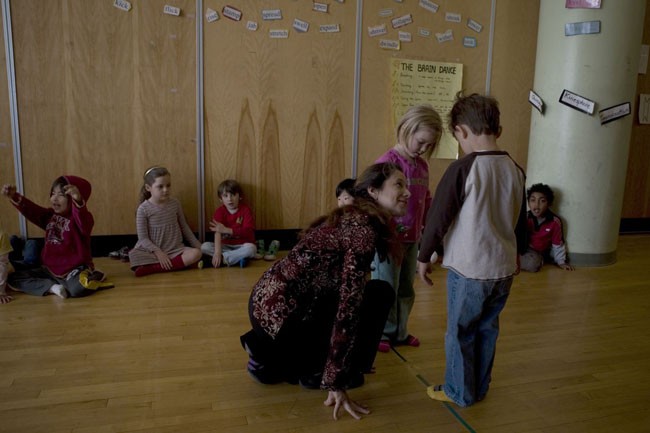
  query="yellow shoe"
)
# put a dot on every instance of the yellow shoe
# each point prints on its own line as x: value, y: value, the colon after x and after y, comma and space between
x: 437, y: 393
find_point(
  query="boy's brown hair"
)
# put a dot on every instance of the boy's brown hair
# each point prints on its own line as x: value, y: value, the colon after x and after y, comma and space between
x: 480, y: 113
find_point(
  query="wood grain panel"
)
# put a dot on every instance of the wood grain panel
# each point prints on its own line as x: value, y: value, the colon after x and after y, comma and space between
x: 287, y: 84
x: 513, y: 72
x: 246, y: 157
x: 335, y: 161
x: 270, y: 197
x: 103, y: 94
x: 312, y: 192
x: 636, y: 201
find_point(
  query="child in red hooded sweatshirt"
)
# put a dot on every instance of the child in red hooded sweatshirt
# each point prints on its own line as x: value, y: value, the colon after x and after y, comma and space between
x: 66, y: 254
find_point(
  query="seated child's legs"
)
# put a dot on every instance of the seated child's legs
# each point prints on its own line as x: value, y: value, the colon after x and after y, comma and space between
x: 5, y: 270
x: 232, y: 254
x: 531, y: 261
x: 192, y: 255
x: 35, y: 282
x: 207, y: 248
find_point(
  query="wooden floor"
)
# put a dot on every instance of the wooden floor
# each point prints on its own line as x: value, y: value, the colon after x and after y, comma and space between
x: 162, y: 354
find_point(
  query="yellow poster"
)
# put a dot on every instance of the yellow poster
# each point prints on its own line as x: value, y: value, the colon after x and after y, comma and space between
x: 418, y: 82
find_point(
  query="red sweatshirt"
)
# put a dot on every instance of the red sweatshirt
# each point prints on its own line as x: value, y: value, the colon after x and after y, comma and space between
x: 67, y: 236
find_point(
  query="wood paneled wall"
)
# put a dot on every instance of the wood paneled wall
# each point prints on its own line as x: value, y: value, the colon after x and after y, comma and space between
x: 636, y: 202
x: 104, y: 94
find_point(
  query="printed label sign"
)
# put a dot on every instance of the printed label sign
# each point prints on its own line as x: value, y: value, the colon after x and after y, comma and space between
x: 377, y: 30
x: 329, y: 28
x: 578, y: 102
x: 536, y: 101
x: 271, y: 14
x: 123, y: 5
x: 211, y: 15
x: 616, y: 112
x: 232, y: 13
x: 389, y: 44
x: 401, y: 21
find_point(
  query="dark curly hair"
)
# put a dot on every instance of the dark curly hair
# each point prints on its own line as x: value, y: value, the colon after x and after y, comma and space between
x: 542, y: 189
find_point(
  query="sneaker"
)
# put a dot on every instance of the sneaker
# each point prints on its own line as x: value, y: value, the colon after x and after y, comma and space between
x: 273, y: 251
x: 411, y: 340
x: 243, y: 262
x: 436, y: 392
x: 58, y: 290
x: 261, y: 249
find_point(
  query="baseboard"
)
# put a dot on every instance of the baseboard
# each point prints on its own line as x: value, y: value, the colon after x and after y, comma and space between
x: 102, y: 245
x: 634, y: 225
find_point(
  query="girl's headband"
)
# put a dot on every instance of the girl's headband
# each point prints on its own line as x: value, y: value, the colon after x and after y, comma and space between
x: 150, y: 170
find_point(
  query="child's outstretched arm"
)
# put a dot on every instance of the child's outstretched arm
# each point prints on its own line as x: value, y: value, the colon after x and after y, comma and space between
x: 80, y: 214
x: 33, y: 212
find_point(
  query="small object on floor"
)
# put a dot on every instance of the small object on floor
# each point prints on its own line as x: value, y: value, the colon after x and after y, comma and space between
x: 436, y: 392
x: 271, y: 254
x: 411, y: 340
x: 243, y: 262
x: 58, y: 290
x: 261, y: 249
x: 384, y: 346
x: 199, y: 264
x: 121, y: 254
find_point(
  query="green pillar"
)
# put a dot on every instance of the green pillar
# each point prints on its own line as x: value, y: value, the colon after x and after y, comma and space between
x: 583, y: 161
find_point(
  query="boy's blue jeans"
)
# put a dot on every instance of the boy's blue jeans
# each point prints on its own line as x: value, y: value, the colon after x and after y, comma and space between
x: 473, y: 308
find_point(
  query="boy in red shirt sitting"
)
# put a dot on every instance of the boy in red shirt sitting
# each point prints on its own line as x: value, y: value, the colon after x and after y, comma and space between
x: 545, y: 236
x: 233, y: 225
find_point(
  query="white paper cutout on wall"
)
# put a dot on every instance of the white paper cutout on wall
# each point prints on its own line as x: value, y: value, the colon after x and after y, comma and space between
x: 429, y: 5
x: 377, y: 30
x: 445, y: 37
x: 404, y: 36
x: 425, y: 33
x: 329, y: 28
x: 577, y: 102
x: 388, y: 44
x: 469, y: 42
x: 384, y: 13
x: 251, y: 25
x: 271, y: 14
x: 614, y: 113
x: 401, y: 21
x: 122, y: 5
x: 474, y: 25
x: 582, y: 28
x: 453, y: 17
x: 232, y: 13
x: 278, y: 33
x: 536, y: 101
x: 300, y: 25
x: 321, y: 7
x: 211, y: 15
x: 171, y: 10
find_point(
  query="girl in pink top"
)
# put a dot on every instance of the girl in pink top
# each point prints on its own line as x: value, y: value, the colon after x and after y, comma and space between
x: 418, y: 134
